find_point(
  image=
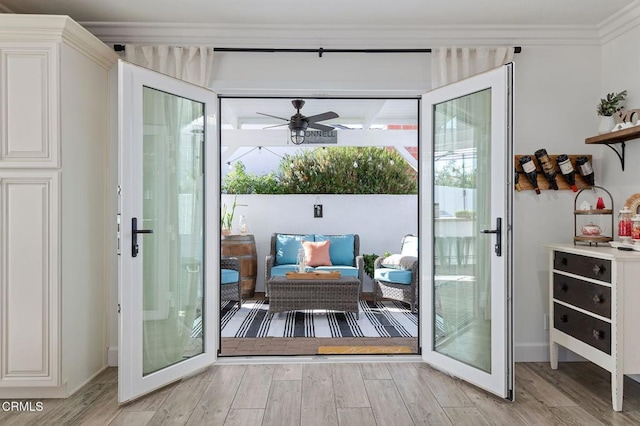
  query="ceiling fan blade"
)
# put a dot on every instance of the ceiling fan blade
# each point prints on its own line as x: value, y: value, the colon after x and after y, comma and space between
x: 272, y: 116
x: 276, y: 125
x: 340, y: 126
x: 319, y: 126
x: 324, y: 116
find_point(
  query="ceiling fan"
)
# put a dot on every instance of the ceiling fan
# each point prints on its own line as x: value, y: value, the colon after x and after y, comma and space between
x: 298, y: 123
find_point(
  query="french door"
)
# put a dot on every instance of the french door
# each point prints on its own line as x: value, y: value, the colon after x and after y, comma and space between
x: 167, y: 155
x: 466, y: 309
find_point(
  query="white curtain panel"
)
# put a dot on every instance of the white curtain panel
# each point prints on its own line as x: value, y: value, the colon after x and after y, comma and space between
x: 193, y: 64
x: 450, y: 64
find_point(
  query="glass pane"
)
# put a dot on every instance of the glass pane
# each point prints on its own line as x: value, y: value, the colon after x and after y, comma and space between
x: 462, y: 188
x: 173, y: 209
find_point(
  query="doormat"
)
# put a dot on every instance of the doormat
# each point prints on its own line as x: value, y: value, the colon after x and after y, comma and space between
x: 365, y: 350
x: 386, y: 318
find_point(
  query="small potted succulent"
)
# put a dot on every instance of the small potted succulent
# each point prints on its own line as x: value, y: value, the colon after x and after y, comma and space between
x: 608, y: 106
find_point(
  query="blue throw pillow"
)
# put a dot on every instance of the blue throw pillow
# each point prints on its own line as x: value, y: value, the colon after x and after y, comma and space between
x: 287, y: 246
x: 341, y: 249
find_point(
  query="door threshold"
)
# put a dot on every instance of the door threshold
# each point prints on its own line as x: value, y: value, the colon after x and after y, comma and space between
x: 319, y: 359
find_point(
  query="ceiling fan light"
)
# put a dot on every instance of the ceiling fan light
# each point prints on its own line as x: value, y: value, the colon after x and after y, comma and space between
x: 297, y: 136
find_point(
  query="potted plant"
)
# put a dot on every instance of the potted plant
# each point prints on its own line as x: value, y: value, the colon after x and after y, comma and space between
x: 608, y: 106
x: 226, y: 218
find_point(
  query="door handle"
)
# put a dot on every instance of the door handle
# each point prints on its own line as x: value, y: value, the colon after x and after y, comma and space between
x: 134, y: 236
x: 498, y: 231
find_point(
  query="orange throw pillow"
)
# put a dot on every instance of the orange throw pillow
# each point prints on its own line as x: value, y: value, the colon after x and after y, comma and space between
x: 317, y: 254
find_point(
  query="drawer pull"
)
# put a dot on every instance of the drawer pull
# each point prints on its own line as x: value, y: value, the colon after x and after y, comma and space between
x: 564, y: 261
x: 564, y: 318
x: 597, y: 299
x: 596, y: 269
x: 564, y: 287
x: 598, y: 334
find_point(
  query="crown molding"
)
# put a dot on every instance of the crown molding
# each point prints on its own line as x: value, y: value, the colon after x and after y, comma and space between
x: 339, y: 36
x: 619, y: 23
x: 56, y: 28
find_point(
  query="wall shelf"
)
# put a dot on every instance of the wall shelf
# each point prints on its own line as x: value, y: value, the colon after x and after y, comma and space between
x: 619, y: 136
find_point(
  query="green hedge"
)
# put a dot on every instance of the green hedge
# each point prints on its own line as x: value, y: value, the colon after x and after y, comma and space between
x: 333, y: 170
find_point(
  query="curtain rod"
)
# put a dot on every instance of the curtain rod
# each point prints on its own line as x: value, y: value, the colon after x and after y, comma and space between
x: 320, y: 51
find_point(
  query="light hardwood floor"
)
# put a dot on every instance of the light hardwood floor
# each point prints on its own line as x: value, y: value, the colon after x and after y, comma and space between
x: 347, y: 394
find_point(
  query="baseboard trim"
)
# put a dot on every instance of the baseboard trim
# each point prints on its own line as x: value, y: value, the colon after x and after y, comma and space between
x: 539, y: 352
x: 93, y: 376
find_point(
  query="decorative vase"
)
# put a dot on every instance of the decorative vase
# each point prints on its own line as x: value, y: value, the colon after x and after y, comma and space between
x: 606, y: 124
x: 225, y: 232
x: 242, y: 223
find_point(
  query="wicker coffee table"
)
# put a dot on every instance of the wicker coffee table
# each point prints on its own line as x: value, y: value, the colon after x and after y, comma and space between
x: 338, y: 294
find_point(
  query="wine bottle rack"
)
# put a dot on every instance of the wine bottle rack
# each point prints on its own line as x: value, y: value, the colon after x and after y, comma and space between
x: 543, y: 183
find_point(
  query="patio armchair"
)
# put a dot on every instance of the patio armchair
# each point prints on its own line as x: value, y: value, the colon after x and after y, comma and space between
x: 230, y: 279
x: 396, y: 276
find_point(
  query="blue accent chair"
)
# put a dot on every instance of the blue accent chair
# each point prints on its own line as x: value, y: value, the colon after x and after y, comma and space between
x: 230, y: 279
x: 396, y: 276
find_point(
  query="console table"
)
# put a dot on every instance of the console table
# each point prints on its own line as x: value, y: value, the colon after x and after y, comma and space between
x: 593, y: 309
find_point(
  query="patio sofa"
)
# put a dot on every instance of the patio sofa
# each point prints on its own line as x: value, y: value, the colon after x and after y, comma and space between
x: 343, y: 253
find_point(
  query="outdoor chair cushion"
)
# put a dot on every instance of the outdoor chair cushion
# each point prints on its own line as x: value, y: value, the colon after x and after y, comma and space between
x: 345, y: 271
x: 398, y: 261
x: 281, y: 270
x: 410, y: 246
x: 341, y: 249
x: 230, y: 276
x: 287, y: 247
x: 398, y: 276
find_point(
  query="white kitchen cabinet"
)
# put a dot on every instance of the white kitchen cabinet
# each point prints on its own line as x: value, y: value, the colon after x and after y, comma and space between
x: 594, y: 294
x: 54, y: 209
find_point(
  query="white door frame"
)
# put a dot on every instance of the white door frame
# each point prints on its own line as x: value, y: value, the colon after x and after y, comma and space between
x: 131, y: 382
x: 500, y: 380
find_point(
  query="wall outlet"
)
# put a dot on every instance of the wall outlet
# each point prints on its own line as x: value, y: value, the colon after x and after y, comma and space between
x: 545, y: 320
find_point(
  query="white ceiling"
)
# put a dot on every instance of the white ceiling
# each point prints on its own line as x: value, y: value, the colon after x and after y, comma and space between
x: 242, y: 112
x: 329, y: 12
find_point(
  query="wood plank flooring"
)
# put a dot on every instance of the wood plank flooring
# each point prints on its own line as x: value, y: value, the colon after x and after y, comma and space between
x: 347, y: 394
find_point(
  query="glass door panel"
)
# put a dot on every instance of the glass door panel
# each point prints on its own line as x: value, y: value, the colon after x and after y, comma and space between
x: 172, y: 257
x: 167, y: 255
x: 467, y: 250
x: 462, y: 273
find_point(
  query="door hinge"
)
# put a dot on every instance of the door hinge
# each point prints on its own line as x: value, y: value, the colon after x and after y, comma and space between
x: 119, y: 308
x: 118, y: 233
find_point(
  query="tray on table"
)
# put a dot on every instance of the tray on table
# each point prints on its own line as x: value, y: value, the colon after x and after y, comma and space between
x: 314, y: 275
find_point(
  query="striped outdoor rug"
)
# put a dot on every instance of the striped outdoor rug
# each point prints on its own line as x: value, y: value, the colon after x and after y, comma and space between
x: 386, y: 319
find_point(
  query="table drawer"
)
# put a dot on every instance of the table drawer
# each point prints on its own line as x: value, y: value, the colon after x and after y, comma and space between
x: 590, y: 267
x: 588, y: 296
x: 590, y: 330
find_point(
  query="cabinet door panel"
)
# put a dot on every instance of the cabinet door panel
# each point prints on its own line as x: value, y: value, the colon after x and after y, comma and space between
x: 29, y: 111
x: 29, y: 294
